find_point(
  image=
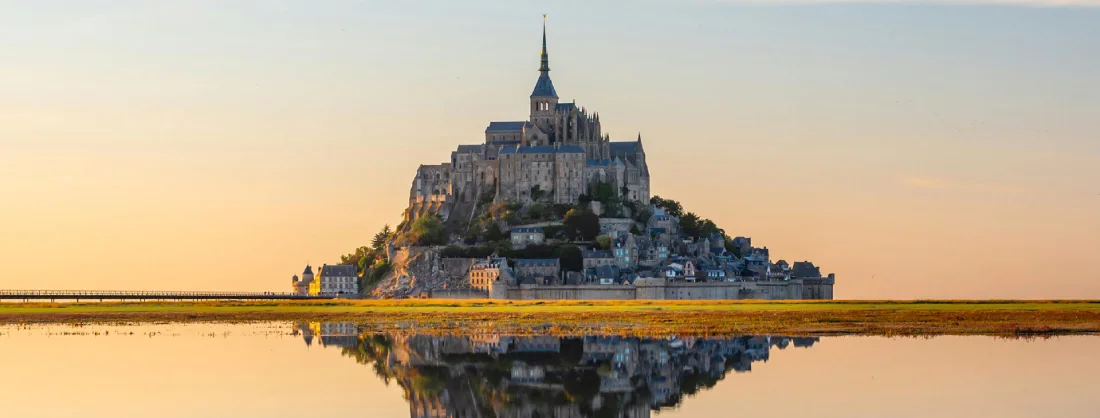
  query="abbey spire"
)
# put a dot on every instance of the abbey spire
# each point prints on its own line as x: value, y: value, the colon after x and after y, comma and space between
x: 545, y: 59
x: 544, y: 88
x: 544, y: 99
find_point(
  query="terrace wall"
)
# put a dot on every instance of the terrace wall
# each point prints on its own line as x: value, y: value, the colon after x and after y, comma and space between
x: 656, y: 289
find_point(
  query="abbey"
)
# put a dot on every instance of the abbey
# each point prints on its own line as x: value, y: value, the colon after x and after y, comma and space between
x: 555, y: 157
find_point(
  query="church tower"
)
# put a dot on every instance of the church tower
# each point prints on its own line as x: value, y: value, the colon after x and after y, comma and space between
x: 544, y: 100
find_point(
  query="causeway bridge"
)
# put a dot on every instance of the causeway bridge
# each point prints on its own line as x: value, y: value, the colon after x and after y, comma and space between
x: 102, y: 295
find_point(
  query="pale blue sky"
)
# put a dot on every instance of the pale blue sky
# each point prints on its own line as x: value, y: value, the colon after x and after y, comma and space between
x: 961, y: 136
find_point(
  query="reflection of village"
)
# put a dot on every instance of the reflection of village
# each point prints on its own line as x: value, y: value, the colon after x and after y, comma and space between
x: 484, y: 374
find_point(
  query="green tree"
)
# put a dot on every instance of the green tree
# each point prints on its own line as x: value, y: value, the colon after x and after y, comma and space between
x: 582, y: 224
x: 537, y: 211
x: 671, y: 206
x: 427, y: 230
x: 380, y: 238
x: 603, y: 241
x: 570, y: 258
x: 537, y: 193
x: 493, y: 233
x: 603, y: 192
x: 362, y: 258
x: 689, y: 224
x: 708, y: 228
x: 584, y: 199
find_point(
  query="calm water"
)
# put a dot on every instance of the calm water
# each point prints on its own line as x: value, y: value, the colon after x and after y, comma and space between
x: 328, y: 370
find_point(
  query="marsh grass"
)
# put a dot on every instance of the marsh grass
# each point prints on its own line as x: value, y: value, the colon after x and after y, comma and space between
x: 633, y: 317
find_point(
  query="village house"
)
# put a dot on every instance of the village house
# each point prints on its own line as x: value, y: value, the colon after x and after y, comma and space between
x: 743, y: 244
x: 689, y: 271
x: 540, y: 270
x: 596, y: 258
x: 524, y: 236
x: 522, y: 373
x: 663, y: 224
x: 673, y: 271
x: 717, y: 244
x: 485, y: 271
x: 625, y: 251
x: 605, y: 275
x: 715, y: 275
x: 616, y: 227
x: 335, y: 279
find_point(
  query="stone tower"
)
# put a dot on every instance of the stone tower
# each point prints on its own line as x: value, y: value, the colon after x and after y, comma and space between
x: 544, y: 99
x: 301, y: 286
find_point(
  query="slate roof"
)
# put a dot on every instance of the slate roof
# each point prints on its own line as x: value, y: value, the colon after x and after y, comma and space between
x: 545, y: 149
x: 805, y: 269
x: 506, y: 126
x: 605, y: 272
x: 717, y: 239
x: 469, y: 149
x: 596, y: 254
x: 497, y: 261
x: 622, y: 148
x: 337, y: 270
x: 544, y: 87
x: 308, y: 270
x: 565, y: 106
x: 535, y: 262
x: 526, y: 230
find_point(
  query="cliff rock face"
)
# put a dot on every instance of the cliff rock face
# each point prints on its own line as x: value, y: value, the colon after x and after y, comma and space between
x: 417, y: 270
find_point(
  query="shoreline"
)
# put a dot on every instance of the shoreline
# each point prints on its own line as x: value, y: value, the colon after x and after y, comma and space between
x: 638, y: 318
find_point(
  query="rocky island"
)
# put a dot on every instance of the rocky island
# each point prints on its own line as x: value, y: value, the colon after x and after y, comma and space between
x: 552, y: 208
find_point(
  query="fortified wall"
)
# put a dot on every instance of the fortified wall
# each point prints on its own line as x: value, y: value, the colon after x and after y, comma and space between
x: 659, y: 289
x: 421, y: 271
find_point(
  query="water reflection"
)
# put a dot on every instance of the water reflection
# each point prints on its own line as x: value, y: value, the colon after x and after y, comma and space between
x: 488, y: 374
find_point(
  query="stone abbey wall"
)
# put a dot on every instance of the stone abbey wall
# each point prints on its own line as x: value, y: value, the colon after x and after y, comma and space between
x: 658, y: 289
x: 569, y: 292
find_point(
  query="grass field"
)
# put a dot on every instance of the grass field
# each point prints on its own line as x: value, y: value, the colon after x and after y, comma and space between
x: 1006, y: 318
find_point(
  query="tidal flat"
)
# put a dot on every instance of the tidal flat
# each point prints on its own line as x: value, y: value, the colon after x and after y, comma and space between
x: 635, y: 317
x: 265, y: 369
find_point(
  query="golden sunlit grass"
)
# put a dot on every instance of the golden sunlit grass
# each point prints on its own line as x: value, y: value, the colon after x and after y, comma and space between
x: 636, y: 317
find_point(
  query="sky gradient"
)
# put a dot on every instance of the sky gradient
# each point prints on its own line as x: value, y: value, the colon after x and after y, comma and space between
x: 916, y: 149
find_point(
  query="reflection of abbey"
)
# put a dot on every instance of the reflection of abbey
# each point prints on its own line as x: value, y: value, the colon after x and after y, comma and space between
x: 558, y: 152
x: 482, y: 373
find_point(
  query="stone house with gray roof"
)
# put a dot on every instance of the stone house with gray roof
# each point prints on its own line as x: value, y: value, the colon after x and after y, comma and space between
x: 539, y: 269
x: 485, y: 271
x: 625, y: 250
x: 524, y: 236
x: 596, y: 258
x: 335, y: 279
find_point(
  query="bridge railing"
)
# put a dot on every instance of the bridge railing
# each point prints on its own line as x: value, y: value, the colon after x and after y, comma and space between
x: 139, y: 293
